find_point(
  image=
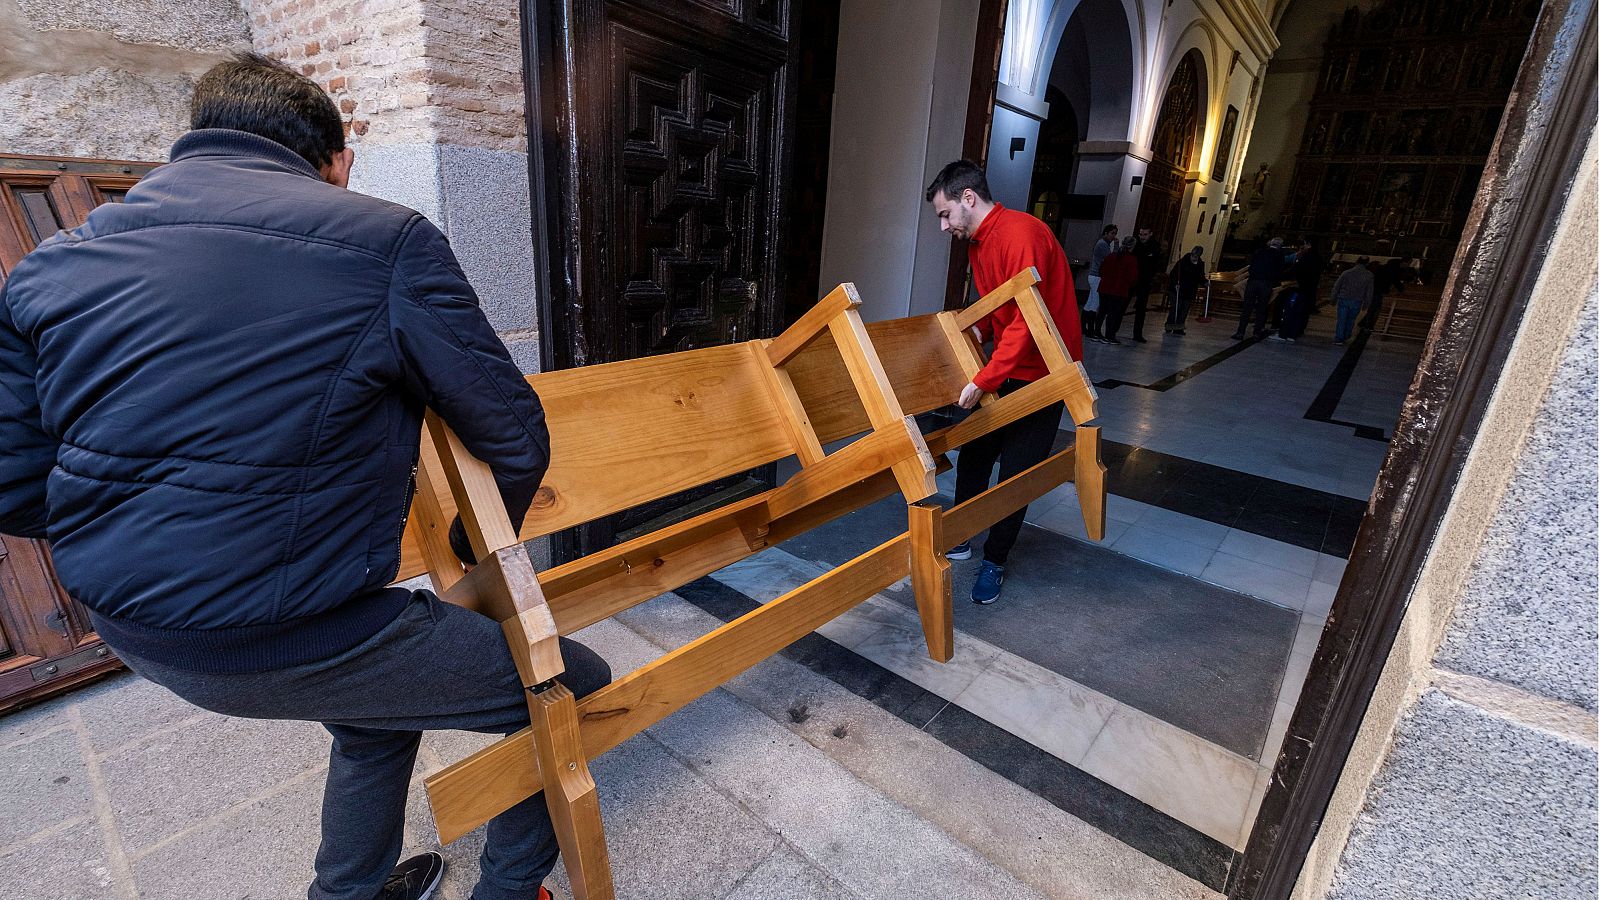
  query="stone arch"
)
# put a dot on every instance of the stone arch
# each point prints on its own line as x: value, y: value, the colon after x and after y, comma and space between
x: 1106, y: 81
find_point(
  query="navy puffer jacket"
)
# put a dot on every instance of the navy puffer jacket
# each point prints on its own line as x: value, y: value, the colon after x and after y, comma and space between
x: 210, y: 402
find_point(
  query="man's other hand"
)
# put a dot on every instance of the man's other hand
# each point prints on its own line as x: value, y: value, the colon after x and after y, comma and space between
x: 970, y: 395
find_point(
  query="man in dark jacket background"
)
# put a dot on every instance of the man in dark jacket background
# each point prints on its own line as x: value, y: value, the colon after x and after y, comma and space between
x: 210, y: 403
x: 1266, y: 270
x: 1147, y: 250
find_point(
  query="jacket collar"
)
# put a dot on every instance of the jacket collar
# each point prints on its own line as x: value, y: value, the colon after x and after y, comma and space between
x: 987, y: 225
x: 228, y: 142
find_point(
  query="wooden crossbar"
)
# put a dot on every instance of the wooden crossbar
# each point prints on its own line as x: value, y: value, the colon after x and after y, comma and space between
x: 821, y: 380
x: 478, y: 788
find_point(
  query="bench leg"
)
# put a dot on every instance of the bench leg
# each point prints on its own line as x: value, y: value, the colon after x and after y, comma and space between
x: 1089, y: 475
x: 570, y: 793
x: 930, y: 579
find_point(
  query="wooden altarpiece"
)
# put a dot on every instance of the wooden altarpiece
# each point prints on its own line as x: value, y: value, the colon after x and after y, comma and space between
x: 628, y: 432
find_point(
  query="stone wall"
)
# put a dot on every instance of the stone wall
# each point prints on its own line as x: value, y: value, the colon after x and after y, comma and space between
x: 433, y: 92
x: 107, y: 79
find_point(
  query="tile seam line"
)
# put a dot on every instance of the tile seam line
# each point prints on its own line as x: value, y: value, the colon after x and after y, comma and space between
x: 777, y: 836
x: 282, y: 787
x: 117, y: 858
x: 45, y: 834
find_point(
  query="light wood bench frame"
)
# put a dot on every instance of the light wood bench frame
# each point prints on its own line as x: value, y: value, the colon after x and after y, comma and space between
x: 892, y: 455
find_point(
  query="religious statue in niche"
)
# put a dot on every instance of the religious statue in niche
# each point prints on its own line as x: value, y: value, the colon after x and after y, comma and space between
x: 1258, y: 186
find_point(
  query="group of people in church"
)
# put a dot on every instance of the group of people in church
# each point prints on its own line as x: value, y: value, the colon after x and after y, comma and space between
x: 1122, y: 275
x: 1281, y: 292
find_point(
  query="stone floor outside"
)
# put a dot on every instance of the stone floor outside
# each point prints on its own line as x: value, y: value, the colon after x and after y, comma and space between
x: 123, y: 791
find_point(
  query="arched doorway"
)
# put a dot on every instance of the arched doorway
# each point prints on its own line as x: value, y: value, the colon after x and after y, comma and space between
x: 1173, y: 147
x: 1053, y: 162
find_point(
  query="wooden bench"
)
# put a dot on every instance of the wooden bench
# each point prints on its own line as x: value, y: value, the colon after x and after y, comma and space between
x: 626, y: 433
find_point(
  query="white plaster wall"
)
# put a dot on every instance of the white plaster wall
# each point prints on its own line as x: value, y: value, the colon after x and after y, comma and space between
x: 886, y: 130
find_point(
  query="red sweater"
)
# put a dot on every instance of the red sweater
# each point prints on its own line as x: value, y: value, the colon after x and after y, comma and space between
x: 1005, y: 243
x: 1118, y: 273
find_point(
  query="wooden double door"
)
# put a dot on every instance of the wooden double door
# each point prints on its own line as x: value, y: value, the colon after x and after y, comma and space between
x: 668, y: 132
x: 46, y: 641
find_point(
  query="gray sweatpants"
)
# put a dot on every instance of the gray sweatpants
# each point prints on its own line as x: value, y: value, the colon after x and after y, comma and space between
x: 436, y: 666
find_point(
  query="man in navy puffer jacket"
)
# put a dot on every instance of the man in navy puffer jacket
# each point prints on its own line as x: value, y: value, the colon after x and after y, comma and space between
x: 210, y: 403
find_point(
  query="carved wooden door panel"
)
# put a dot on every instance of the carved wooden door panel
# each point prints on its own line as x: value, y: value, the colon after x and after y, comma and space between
x: 667, y: 127
x: 46, y: 641
x: 1172, y: 149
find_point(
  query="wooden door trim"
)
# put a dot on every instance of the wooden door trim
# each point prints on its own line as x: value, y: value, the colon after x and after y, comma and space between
x: 1522, y: 195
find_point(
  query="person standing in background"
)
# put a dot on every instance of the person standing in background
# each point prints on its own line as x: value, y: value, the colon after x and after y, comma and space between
x: 1091, y: 307
x: 1147, y: 250
x: 1183, y: 283
x: 1266, y: 270
x: 1118, y: 276
x: 1352, y: 291
x: 1307, y: 274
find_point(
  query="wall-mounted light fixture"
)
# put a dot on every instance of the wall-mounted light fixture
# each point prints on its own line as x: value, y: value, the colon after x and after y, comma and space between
x: 1018, y: 144
x: 1203, y: 201
x: 1137, y: 180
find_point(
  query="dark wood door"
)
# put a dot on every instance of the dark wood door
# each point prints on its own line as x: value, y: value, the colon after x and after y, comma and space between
x: 1172, y: 148
x: 46, y: 641
x: 664, y: 168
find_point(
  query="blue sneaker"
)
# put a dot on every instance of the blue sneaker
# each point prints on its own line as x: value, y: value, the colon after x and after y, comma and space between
x: 962, y: 550
x: 986, y: 589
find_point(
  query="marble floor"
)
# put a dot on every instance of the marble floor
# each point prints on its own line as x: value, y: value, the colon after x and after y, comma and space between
x: 1153, y: 673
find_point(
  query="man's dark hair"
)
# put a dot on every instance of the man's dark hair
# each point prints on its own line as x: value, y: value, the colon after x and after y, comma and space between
x: 961, y: 175
x: 253, y: 93
x: 1104, y: 231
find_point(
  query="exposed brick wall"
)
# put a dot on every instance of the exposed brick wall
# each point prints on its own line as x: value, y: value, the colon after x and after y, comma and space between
x: 407, y: 71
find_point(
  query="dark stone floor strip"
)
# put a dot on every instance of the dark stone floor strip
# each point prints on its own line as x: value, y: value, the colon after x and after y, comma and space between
x: 1179, y: 377
x: 1302, y: 516
x: 1066, y: 787
x: 1327, y: 399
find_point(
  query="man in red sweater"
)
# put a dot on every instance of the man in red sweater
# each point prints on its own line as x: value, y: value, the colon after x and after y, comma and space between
x: 1001, y: 243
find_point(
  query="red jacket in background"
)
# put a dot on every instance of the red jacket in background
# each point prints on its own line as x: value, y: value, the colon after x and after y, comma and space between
x: 1118, y: 272
x: 1005, y: 243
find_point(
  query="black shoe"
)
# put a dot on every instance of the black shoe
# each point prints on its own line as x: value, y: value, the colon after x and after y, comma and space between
x: 1113, y: 341
x: 415, y: 878
x: 1236, y: 336
x: 1139, y: 340
x: 1179, y: 331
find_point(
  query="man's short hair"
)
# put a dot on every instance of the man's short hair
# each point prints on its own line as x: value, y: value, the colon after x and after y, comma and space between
x: 957, y: 178
x: 1363, y: 260
x: 253, y: 93
x: 1104, y: 231
x: 1275, y: 242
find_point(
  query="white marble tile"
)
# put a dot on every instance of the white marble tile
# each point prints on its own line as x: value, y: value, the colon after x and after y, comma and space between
x: 1256, y: 580
x: 1163, y: 550
x: 1319, y: 599
x: 1124, y: 510
x: 1191, y: 780
x: 1257, y: 793
x: 1329, y: 570
x: 1196, y: 531
x: 899, y: 646
x: 1282, y: 711
x: 1294, y: 673
x: 768, y: 575
x: 1269, y: 552
x: 1308, y: 635
x: 1051, y: 712
x: 1067, y: 519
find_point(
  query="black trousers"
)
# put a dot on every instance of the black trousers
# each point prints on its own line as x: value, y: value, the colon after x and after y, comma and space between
x: 1257, y: 297
x: 1016, y: 447
x: 1111, y: 309
x: 436, y: 666
x: 1141, y: 300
